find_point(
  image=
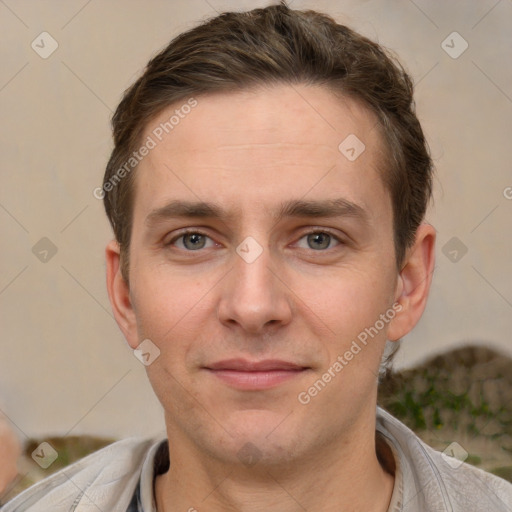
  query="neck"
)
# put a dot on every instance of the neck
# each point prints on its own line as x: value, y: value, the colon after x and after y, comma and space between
x: 340, y: 476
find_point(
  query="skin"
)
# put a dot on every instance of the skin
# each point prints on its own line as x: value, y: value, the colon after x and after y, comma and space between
x: 10, y: 451
x: 300, y: 301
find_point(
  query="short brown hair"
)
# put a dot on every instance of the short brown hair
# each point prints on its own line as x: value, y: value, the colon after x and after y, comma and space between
x: 277, y: 45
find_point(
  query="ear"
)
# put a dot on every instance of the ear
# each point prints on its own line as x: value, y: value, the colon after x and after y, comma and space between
x: 119, y: 295
x: 413, y: 283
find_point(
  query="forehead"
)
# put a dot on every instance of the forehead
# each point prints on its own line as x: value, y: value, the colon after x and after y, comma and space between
x: 257, y: 147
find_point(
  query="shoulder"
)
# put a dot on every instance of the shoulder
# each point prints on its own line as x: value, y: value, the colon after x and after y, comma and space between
x: 439, y: 481
x: 103, y: 480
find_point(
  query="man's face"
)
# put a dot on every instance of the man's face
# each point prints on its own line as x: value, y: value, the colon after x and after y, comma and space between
x: 255, y: 284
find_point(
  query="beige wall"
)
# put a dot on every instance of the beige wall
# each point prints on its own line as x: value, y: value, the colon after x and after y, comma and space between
x: 65, y: 367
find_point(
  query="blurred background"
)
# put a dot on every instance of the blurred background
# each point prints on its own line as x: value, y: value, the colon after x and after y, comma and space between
x: 66, y: 370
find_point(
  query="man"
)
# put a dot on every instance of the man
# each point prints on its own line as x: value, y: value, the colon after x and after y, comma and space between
x: 267, y: 191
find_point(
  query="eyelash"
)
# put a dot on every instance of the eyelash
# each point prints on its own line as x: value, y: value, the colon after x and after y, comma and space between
x: 202, y: 233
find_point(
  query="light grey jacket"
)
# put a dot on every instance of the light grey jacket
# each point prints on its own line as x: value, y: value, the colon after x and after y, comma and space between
x: 425, y: 480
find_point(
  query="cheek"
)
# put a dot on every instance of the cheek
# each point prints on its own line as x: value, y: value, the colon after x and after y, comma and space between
x: 356, y: 337
x: 167, y: 311
x: 349, y: 302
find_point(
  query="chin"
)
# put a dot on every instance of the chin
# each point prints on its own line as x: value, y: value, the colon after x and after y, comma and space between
x: 260, y: 435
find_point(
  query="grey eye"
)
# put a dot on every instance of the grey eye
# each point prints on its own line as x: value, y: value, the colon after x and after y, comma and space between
x: 193, y: 241
x: 318, y: 241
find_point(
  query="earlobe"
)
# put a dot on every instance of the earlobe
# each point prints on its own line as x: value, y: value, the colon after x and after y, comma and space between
x: 414, y: 281
x: 119, y: 294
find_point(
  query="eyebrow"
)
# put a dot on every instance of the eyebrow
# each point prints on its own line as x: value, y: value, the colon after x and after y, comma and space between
x: 328, y: 208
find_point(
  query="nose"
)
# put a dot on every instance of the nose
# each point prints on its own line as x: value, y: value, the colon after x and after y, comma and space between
x: 254, y: 296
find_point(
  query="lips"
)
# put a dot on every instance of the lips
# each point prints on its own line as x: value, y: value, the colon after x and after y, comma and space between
x: 255, y: 375
x: 243, y: 365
